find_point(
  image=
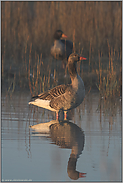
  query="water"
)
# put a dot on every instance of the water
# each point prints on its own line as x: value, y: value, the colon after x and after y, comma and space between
x: 92, y: 139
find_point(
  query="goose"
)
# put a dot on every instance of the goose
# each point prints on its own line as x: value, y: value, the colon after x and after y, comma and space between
x: 64, y: 97
x: 61, y: 48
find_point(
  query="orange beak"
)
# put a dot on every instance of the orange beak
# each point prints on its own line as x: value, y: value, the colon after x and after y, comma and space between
x: 82, y: 58
x: 63, y: 35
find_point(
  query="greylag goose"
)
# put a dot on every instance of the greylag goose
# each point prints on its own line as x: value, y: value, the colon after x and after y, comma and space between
x: 64, y: 97
x: 61, y: 48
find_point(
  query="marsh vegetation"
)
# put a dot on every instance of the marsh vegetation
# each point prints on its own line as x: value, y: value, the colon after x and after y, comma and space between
x: 27, y: 35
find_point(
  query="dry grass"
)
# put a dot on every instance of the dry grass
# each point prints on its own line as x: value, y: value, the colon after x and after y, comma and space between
x: 109, y: 79
x: 27, y: 29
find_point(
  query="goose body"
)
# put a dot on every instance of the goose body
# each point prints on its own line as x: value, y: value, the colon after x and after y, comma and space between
x: 61, y: 48
x: 64, y: 97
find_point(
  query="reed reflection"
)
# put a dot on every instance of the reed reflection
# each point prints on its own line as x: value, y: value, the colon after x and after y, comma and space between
x: 66, y: 135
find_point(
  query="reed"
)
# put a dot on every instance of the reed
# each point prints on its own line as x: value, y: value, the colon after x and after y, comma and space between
x: 40, y: 76
x: 91, y: 23
x: 27, y: 38
x: 109, y: 80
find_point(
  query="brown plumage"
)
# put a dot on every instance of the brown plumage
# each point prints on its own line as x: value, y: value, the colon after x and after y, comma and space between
x: 51, y: 94
x: 64, y: 97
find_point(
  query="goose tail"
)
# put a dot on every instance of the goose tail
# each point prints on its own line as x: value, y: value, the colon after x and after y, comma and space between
x: 42, y: 103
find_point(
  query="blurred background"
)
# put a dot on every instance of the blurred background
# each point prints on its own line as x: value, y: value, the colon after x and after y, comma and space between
x: 28, y: 69
x: 27, y: 36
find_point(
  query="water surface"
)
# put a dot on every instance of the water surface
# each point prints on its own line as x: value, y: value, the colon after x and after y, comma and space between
x: 33, y: 156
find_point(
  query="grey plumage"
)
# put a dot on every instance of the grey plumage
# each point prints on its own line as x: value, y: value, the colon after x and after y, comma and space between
x: 61, y: 48
x: 64, y: 97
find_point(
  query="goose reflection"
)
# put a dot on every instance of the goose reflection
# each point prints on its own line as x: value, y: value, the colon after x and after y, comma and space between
x: 66, y: 135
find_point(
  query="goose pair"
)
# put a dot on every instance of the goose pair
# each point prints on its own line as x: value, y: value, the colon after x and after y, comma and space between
x: 64, y: 97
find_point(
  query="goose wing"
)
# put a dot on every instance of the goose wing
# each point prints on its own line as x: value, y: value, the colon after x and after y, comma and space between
x: 68, y: 43
x: 53, y: 93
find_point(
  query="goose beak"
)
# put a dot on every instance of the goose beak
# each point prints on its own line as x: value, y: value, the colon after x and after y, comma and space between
x: 82, y: 58
x: 63, y: 35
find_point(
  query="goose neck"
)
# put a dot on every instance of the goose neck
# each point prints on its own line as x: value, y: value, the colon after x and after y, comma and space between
x: 72, y: 70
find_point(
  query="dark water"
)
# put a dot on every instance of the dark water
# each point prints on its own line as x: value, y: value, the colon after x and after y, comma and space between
x: 89, y: 143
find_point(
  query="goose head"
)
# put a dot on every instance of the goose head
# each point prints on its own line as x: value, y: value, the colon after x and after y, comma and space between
x: 74, y: 57
x: 59, y: 34
x: 72, y: 60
